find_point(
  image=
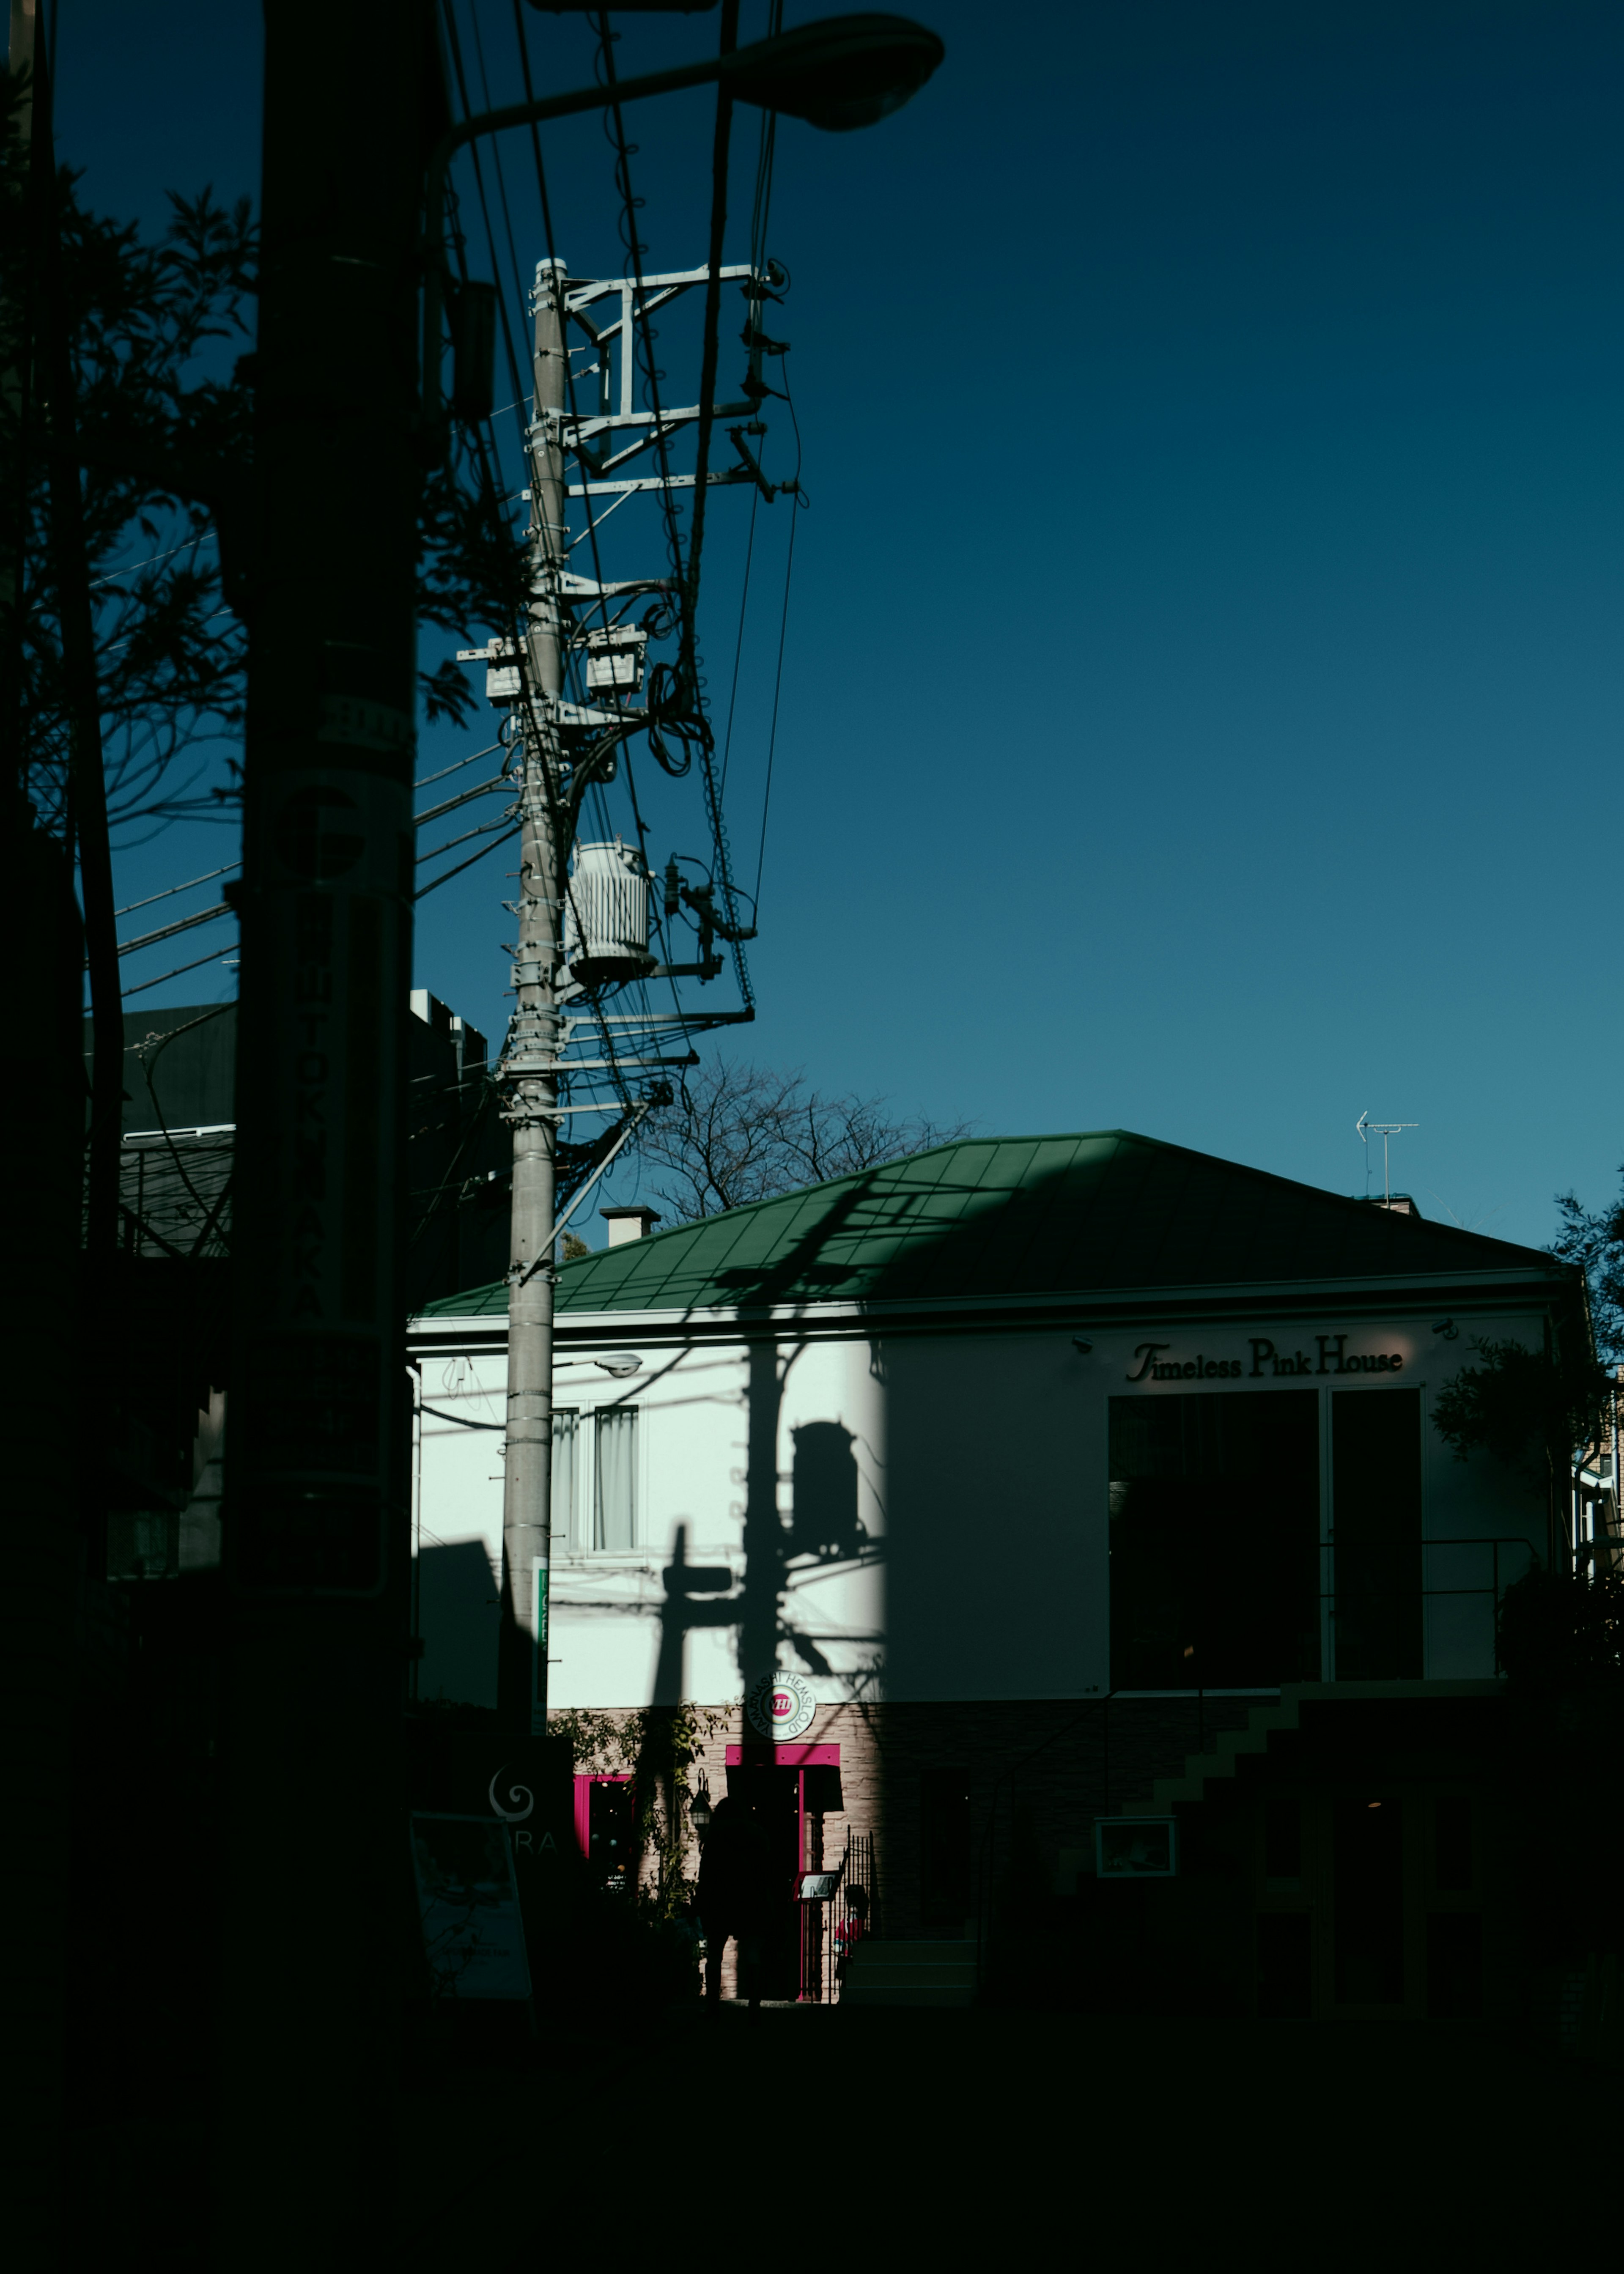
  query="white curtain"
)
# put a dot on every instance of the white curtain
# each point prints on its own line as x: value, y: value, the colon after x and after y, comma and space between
x: 616, y: 1465
x: 564, y: 1429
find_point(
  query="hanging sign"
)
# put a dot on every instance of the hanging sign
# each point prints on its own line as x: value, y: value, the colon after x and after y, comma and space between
x: 781, y: 1706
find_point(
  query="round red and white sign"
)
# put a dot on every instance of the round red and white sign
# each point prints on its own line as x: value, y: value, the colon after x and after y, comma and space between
x: 781, y: 1706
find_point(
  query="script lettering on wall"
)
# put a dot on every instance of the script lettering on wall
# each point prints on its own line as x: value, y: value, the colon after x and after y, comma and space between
x: 1160, y: 1361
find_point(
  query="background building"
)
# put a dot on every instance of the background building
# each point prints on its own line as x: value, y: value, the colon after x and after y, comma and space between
x: 1040, y: 1463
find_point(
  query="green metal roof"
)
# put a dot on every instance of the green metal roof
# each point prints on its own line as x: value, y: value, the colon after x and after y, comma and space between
x: 1018, y: 1216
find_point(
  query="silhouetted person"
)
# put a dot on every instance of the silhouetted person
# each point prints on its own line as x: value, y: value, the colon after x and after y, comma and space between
x: 738, y: 1891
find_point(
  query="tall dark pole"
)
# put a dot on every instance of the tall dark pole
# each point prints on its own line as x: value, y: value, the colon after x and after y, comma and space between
x: 69, y: 562
x: 41, y: 1155
x: 317, y: 1540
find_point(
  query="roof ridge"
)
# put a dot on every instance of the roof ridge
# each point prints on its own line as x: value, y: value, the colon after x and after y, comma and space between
x: 1050, y: 1137
x: 891, y: 1161
x: 1124, y: 1201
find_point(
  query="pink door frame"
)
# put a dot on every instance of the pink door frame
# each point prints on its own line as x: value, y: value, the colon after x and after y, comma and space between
x: 799, y: 1758
x: 584, y: 1803
x: 787, y: 1757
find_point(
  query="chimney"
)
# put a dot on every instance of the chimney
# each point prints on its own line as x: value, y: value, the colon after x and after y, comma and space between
x: 629, y: 1223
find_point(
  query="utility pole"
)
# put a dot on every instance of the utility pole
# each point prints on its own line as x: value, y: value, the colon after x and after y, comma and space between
x: 846, y: 74
x: 316, y: 1906
x: 530, y: 1062
x: 564, y: 744
x: 80, y: 679
x: 40, y: 1153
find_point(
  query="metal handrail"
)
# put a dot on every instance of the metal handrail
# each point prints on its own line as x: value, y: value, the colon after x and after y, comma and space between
x: 1494, y: 1541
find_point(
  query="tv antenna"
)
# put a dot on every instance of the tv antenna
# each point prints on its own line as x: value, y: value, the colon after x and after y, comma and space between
x: 1385, y: 1130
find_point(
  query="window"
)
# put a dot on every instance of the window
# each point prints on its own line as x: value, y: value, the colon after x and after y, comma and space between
x: 1376, y: 1504
x: 566, y: 1433
x: 614, y: 1497
x: 1215, y: 1524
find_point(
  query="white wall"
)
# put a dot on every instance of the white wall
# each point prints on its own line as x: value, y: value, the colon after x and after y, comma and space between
x: 459, y: 1523
x: 974, y: 1467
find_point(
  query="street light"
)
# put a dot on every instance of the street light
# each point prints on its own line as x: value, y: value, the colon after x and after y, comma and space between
x: 845, y: 72
x: 699, y: 1810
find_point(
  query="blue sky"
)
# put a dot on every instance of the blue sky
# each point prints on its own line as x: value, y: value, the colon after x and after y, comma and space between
x: 1201, y: 697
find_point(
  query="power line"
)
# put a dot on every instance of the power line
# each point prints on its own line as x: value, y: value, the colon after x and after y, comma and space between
x: 454, y: 42
x: 218, y: 955
x: 798, y: 500
x: 426, y: 778
x: 778, y: 683
x: 464, y: 797
x: 191, y: 546
x: 451, y: 843
x: 170, y: 891
x: 744, y: 603
x: 435, y: 883
x: 168, y: 931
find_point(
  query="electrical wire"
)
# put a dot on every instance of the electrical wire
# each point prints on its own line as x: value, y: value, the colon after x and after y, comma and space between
x: 435, y: 883
x: 639, y: 345
x: 796, y: 501
x: 448, y: 13
x: 501, y: 191
x: 451, y: 843
x: 460, y: 1419
x: 464, y: 797
x: 424, y: 782
x: 168, y: 931
x: 219, y: 955
x: 152, y: 559
x: 170, y: 891
x: 609, y: 1052
x: 695, y: 690
x: 744, y: 604
x: 720, y: 146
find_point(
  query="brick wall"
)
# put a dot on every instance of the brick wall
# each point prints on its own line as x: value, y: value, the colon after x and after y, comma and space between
x: 1060, y: 1763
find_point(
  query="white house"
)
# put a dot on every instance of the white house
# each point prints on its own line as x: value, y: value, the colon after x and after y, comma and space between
x: 1085, y: 1443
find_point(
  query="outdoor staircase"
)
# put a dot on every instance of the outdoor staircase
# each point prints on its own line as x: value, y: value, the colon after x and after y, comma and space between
x: 909, y: 1974
x: 1223, y: 1758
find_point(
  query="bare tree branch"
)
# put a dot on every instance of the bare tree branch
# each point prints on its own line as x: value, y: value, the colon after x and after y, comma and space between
x: 739, y: 1133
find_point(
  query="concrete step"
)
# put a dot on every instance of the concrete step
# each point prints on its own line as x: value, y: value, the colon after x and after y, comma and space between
x: 920, y: 1978
x: 960, y: 1951
x: 856, y: 1994
x: 909, y: 1974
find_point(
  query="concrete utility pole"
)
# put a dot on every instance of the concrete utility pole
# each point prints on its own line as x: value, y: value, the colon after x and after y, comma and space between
x: 848, y: 72
x: 40, y: 1154
x: 317, y: 1908
x: 530, y: 1060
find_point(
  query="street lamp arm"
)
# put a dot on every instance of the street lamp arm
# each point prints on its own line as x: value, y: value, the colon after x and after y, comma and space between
x: 842, y: 72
